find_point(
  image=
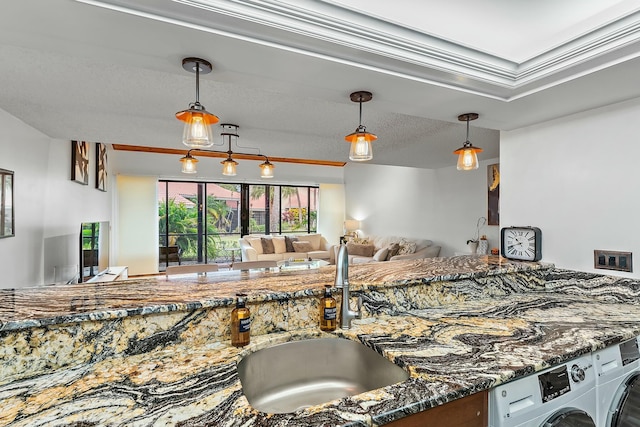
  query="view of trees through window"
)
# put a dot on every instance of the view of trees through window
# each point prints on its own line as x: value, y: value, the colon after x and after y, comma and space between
x: 202, y: 221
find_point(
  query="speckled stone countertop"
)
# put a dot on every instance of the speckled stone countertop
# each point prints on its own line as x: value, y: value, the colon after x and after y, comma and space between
x: 48, y: 305
x: 458, y: 326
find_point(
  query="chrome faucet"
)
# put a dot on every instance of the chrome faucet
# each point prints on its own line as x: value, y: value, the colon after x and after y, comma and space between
x: 342, y: 281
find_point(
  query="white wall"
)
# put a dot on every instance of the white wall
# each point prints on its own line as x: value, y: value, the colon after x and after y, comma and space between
x: 331, y: 213
x: 48, y: 205
x: 576, y: 178
x: 460, y: 199
x: 136, y: 221
x: 442, y: 205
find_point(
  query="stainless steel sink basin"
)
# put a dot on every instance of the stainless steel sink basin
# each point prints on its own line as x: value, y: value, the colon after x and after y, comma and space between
x: 292, y: 376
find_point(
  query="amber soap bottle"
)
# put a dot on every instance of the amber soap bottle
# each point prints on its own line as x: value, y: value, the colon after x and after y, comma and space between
x: 328, y: 311
x: 240, y: 323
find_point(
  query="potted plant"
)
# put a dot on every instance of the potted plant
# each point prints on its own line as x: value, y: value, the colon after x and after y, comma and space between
x: 473, y: 243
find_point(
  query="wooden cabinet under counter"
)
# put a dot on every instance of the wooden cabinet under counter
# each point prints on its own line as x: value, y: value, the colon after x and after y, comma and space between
x: 470, y: 411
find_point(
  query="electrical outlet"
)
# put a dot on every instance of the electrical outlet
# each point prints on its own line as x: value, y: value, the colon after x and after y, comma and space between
x: 612, y: 260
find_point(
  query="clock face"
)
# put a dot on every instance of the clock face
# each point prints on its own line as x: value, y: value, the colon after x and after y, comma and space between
x: 521, y: 243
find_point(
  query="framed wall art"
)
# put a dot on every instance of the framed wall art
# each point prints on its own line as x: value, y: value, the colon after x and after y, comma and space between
x: 101, y: 166
x: 493, y: 181
x: 7, y: 215
x: 80, y: 162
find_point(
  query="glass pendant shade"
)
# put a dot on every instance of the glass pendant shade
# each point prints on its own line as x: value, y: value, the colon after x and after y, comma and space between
x: 467, y: 157
x: 189, y: 164
x: 361, y: 149
x: 229, y: 167
x: 266, y: 169
x: 197, y: 127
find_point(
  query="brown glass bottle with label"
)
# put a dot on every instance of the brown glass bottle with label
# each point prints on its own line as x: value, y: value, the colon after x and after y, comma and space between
x: 328, y: 311
x: 240, y: 323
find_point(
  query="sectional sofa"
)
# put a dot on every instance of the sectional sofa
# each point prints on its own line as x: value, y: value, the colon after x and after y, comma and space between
x: 387, y: 248
x: 260, y: 247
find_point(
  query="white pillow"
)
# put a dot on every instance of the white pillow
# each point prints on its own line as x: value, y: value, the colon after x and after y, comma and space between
x: 279, y: 245
x: 256, y: 243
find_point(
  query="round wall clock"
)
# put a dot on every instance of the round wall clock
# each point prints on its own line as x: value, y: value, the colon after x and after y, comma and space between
x: 521, y: 243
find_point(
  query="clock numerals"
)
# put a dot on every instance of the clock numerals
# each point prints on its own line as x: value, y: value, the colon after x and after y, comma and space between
x: 521, y: 243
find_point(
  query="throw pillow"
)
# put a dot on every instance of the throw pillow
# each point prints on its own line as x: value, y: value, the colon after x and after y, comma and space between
x: 406, y: 247
x: 279, y: 244
x: 381, y: 255
x: 267, y: 245
x: 432, y: 252
x: 393, y: 250
x: 288, y: 241
x: 256, y: 243
x: 360, y: 249
x: 302, y: 247
x: 314, y: 239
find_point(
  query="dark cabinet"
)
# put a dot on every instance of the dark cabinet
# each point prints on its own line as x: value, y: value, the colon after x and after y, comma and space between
x: 470, y: 411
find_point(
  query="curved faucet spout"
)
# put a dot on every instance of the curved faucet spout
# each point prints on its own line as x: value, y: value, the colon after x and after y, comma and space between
x: 342, y: 267
x: 342, y: 281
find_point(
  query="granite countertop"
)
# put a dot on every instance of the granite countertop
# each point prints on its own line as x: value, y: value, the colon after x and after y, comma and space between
x: 48, y: 305
x: 451, y: 350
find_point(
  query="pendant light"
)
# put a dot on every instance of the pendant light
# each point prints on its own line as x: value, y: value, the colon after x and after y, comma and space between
x: 467, y: 154
x: 189, y: 163
x: 197, y: 120
x: 229, y: 165
x: 266, y: 169
x: 360, y: 139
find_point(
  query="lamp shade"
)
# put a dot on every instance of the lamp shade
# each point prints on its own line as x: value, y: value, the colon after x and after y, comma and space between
x: 266, y: 169
x: 189, y: 164
x: 351, y: 225
x: 229, y: 167
x: 361, y: 149
x: 197, y: 127
x: 467, y: 157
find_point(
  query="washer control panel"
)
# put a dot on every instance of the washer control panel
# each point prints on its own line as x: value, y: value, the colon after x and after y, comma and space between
x: 554, y: 383
x: 524, y: 399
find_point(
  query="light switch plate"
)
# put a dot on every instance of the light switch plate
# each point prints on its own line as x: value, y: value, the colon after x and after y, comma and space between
x: 612, y: 260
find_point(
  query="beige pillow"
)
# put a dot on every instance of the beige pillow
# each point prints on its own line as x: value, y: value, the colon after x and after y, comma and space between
x: 406, y: 247
x: 360, y: 249
x: 381, y: 255
x: 279, y: 245
x: 256, y: 243
x: 267, y: 245
x: 314, y: 239
x: 302, y: 246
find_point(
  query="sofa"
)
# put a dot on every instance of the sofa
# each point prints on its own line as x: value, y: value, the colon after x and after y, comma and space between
x: 260, y: 247
x: 386, y: 248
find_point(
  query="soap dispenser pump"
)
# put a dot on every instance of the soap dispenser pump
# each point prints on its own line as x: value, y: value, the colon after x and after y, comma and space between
x: 328, y: 310
x: 240, y: 323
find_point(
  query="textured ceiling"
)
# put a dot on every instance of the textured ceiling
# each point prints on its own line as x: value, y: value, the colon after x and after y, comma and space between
x: 283, y: 70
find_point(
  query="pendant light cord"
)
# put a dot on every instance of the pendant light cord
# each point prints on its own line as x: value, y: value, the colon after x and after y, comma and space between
x: 197, y: 82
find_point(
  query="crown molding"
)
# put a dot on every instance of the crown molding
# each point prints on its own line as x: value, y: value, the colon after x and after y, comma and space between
x: 329, y: 31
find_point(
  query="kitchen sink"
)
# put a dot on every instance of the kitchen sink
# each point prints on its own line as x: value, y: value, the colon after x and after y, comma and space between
x: 292, y: 376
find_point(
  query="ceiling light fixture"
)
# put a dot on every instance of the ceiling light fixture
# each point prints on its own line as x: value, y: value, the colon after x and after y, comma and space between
x: 197, y: 120
x: 467, y: 154
x: 360, y: 139
x: 229, y: 165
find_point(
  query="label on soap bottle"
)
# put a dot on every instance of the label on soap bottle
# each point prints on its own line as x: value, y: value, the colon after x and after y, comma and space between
x: 244, y: 325
x: 330, y: 313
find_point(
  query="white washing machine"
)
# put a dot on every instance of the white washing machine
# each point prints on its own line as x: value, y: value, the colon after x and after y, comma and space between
x: 563, y: 396
x: 618, y: 384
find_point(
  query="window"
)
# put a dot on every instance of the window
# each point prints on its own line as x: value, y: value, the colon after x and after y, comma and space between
x: 201, y: 221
